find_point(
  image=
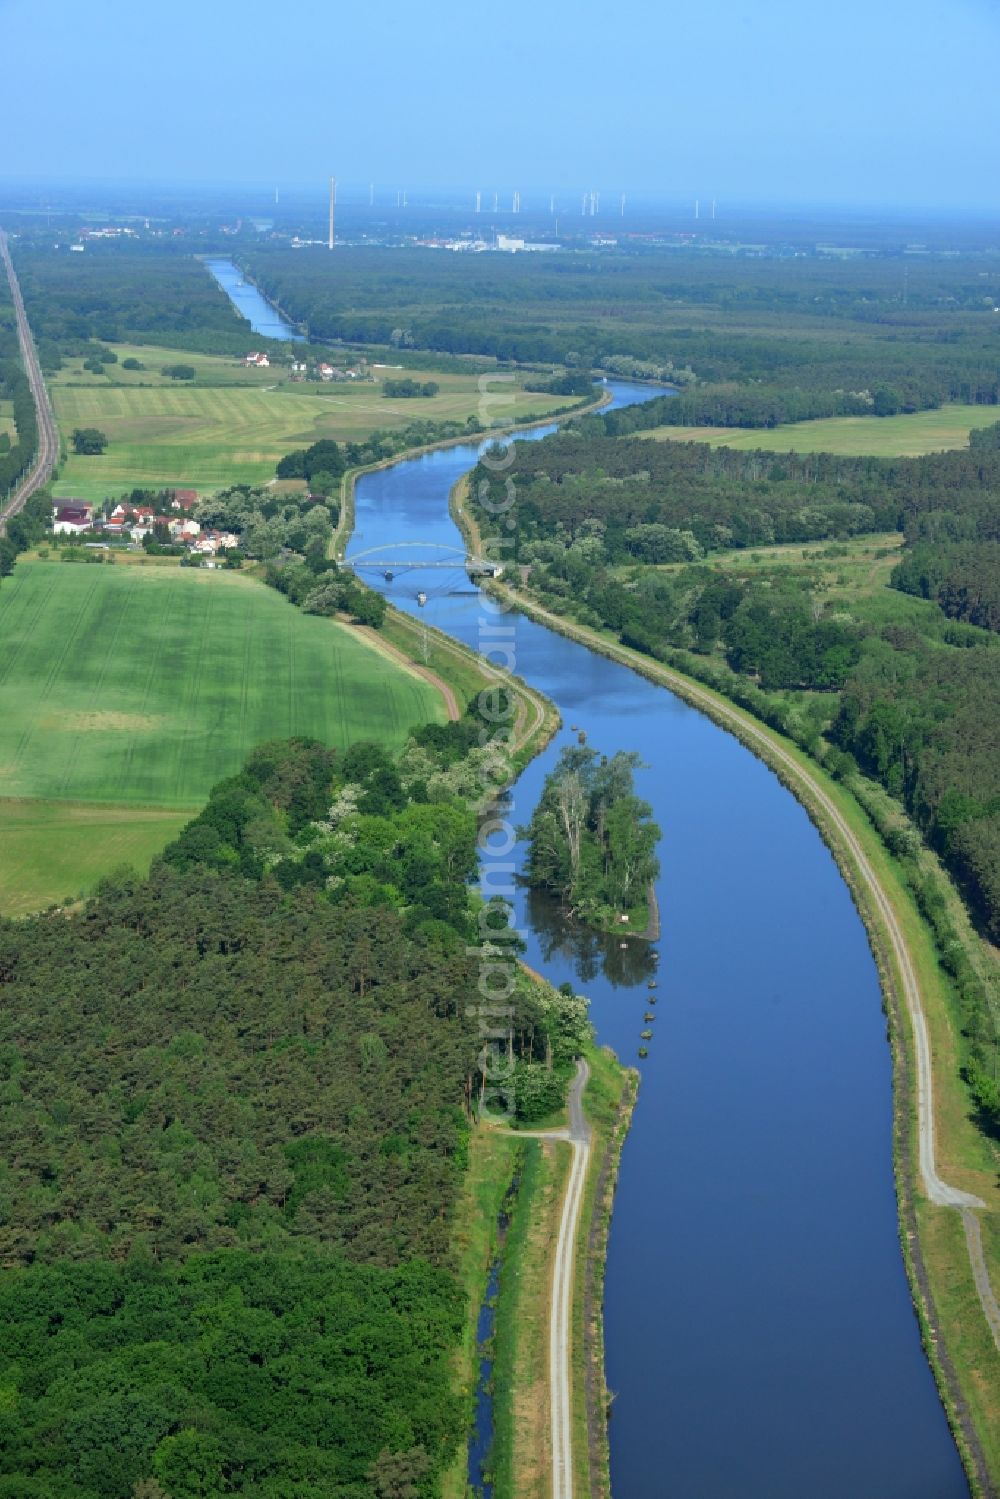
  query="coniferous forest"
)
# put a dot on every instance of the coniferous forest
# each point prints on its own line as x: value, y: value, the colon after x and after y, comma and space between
x: 237, y: 1098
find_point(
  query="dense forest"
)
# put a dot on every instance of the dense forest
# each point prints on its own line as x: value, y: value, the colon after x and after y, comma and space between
x: 756, y: 331
x: 646, y: 501
x: 591, y: 840
x: 123, y: 293
x: 237, y: 1101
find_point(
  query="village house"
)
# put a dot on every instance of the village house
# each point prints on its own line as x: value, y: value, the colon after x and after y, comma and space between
x: 257, y: 361
x: 184, y: 499
x: 71, y: 519
x: 208, y: 543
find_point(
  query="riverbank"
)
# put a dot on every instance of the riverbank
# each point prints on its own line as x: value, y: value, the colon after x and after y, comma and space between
x: 960, y: 1349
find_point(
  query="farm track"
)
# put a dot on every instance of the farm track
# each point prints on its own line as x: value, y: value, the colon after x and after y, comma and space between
x: 48, y: 436
x: 577, y: 1135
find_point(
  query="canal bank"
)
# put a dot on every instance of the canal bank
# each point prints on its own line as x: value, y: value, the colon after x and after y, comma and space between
x: 756, y: 1305
x: 901, y: 946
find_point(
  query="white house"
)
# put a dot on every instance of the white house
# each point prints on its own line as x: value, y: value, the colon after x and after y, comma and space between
x: 257, y: 361
x: 70, y: 520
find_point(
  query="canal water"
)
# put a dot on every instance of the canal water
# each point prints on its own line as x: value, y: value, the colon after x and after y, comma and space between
x: 760, y: 1338
x: 262, y: 317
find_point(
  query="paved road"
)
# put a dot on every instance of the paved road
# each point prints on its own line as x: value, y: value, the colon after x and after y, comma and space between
x: 48, y: 436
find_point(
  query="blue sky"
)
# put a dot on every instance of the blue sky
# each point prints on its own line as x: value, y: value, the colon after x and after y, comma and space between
x: 774, y: 101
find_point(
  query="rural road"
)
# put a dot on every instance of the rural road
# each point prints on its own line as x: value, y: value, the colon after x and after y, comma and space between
x: 48, y: 436
x: 561, y: 1313
x: 386, y: 648
x: 561, y: 1324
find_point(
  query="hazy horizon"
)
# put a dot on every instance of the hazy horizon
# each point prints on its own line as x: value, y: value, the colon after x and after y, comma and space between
x: 892, y: 106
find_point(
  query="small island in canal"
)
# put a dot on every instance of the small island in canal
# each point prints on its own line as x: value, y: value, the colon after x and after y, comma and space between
x: 592, y: 841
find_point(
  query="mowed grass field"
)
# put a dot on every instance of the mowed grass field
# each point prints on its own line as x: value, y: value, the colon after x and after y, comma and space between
x: 208, y: 436
x: 146, y: 686
x: 853, y: 436
x: 54, y: 851
x: 213, y: 369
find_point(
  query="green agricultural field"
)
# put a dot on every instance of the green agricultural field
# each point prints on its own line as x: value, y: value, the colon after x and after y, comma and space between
x: 854, y: 436
x: 143, y: 686
x: 210, y: 369
x: 54, y: 851
x: 209, y: 436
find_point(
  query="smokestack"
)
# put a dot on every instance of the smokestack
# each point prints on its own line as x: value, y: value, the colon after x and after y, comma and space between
x: 333, y: 199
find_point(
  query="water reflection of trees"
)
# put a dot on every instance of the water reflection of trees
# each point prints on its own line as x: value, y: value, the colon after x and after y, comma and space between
x: 592, y: 953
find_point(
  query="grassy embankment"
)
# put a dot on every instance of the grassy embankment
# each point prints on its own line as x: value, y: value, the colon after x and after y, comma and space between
x: 853, y: 436
x: 521, y: 1458
x: 231, y: 425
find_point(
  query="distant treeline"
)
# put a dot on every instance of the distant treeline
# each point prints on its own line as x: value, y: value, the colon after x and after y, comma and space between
x: 912, y: 343
x: 676, y: 501
x: 123, y: 294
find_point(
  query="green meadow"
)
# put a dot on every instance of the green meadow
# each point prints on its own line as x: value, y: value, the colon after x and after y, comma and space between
x: 146, y: 686
x: 854, y: 436
x: 126, y: 689
x: 56, y: 851
x: 231, y: 425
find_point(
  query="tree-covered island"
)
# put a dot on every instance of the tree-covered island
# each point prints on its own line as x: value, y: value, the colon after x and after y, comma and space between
x: 593, y: 841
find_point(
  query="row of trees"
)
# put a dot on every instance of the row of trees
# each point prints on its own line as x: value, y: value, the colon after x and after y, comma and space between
x: 17, y: 455
x: 407, y: 389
